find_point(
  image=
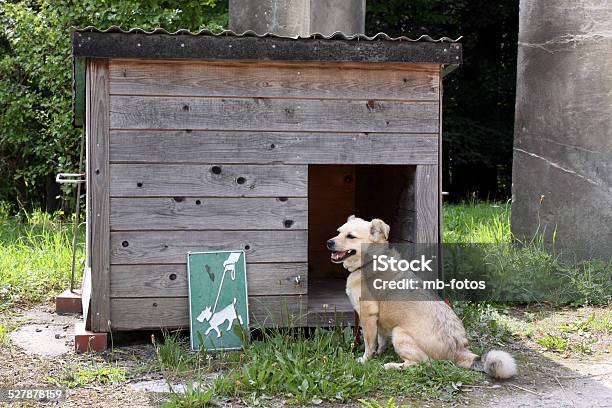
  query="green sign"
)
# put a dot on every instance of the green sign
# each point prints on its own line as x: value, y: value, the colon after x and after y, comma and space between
x: 218, y: 302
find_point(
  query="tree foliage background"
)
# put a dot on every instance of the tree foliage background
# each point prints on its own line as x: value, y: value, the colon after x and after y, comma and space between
x: 37, y: 139
x: 479, y: 97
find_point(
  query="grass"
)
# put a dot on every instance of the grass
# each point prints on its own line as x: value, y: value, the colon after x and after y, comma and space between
x: 580, y: 335
x: 524, y: 273
x: 35, y: 258
x: 440, y: 380
x: 99, y: 373
x: 302, y: 367
x: 176, y: 360
x: 477, y: 222
x: 4, y: 335
x: 193, y: 396
x: 390, y: 403
x: 172, y: 353
x: 554, y: 343
x: 486, y: 325
x: 599, y: 321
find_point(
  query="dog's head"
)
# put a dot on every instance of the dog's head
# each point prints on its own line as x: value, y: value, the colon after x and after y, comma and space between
x: 346, y: 246
x: 205, y: 315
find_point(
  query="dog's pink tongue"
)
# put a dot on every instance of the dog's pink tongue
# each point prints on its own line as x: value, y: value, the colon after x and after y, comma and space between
x: 338, y: 255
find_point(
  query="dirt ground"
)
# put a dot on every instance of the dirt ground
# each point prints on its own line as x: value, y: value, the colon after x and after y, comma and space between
x: 39, y: 352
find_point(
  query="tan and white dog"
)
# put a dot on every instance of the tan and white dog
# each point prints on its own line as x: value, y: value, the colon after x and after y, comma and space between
x: 419, y: 330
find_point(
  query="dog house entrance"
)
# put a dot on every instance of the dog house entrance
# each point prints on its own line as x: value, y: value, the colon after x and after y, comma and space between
x: 334, y: 193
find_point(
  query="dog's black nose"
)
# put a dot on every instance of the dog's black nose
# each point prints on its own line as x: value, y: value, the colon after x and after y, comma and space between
x: 330, y: 244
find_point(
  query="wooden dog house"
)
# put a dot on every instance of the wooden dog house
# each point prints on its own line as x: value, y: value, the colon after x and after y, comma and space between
x: 202, y: 142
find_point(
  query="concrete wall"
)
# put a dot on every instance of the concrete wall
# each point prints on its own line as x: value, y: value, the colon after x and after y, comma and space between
x: 328, y: 16
x: 297, y: 17
x: 562, y: 170
x: 283, y: 17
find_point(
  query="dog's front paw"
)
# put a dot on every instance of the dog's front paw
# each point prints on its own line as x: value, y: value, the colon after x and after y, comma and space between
x: 362, y: 359
x: 393, y: 366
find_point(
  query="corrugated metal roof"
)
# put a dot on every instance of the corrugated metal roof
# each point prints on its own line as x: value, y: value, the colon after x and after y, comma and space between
x: 338, y: 35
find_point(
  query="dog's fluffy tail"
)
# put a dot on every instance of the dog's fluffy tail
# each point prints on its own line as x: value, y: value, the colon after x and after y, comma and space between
x: 496, y: 363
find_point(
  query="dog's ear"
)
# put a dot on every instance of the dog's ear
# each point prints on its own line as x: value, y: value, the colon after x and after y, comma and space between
x: 379, y: 230
x: 351, y: 217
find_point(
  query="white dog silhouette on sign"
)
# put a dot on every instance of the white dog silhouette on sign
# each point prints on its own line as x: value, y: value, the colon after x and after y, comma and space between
x: 228, y: 313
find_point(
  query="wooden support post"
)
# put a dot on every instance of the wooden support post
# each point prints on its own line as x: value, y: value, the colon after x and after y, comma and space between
x: 439, y: 191
x: 426, y: 203
x: 98, y: 128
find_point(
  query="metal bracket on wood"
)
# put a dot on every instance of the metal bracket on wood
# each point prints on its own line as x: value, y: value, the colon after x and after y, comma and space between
x: 70, y: 178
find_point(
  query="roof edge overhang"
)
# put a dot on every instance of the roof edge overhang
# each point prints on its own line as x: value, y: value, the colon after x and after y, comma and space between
x: 91, y: 42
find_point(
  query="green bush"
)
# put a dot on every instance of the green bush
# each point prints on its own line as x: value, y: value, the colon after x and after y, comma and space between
x: 36, y: 135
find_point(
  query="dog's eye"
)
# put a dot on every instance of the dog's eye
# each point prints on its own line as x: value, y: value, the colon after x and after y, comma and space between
x: 351, y: 236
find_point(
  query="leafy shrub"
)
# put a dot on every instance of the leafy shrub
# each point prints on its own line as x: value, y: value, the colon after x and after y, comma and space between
x: 36, y: 135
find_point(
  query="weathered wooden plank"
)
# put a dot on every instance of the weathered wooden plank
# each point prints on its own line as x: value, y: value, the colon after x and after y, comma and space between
x: 426, y: 192
x: 273, y: 147
x: 86, y: 292
x: 135, y: 281
x: 330, y: 317
x: 155, y: 313
x: 97, y: 122
x: 275, y: 80
x: 171, y: 247
x: 439, y: 186
x: 328, y: 304
x: 141, y: 180
x: 150, y: 112
x: 277, y: 278
x: 206, y: 213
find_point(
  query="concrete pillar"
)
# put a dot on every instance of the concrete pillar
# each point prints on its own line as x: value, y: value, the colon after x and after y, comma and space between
x: 289, y: 18
x: 294, y: 18
x: 328, y: 16
x: 562, y: 169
